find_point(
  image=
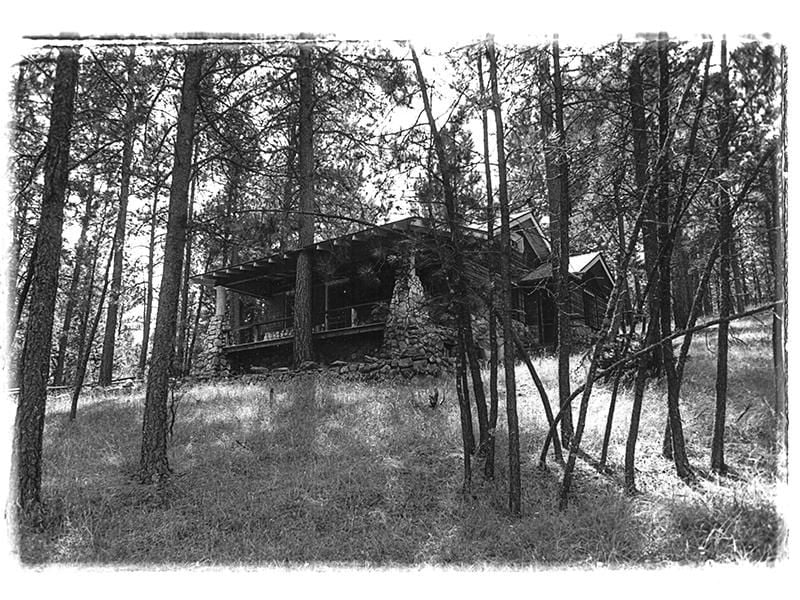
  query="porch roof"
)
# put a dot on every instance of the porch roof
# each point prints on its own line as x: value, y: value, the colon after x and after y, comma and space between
x: 279, y: 268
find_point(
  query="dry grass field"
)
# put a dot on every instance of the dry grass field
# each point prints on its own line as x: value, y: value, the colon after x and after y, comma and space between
x: 357, y: 474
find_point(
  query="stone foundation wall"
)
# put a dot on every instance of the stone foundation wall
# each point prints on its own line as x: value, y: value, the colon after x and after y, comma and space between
x: 212, y: 360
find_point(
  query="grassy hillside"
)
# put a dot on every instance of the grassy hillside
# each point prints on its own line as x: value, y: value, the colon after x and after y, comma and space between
x: 322, y: 470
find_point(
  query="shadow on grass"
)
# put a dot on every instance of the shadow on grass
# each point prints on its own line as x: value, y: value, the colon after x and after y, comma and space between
x: 326, y: 472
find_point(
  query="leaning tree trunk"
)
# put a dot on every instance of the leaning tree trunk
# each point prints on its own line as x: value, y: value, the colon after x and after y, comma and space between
x: 514, y: 482
x: 457, y: 268
x: 303, y: 348
x: 129, y: 132
x: 153, y: 461
x: 35, y: 364
x: 455, y: 273
x: 72, y: 295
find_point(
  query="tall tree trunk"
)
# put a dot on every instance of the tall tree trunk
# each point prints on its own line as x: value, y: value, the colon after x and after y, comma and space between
x: 285, y: 226
x: 514, y: 482
x: 148, y: 300
x: 640, y: 165
x: 153, y: 461
x: 682, y: 290
x: 490, y: 299
x: 665, y: 243
x: 72, y: 295
x: 726, y: 255
x: 128, y: 133
x: 303, y: 349
x: 29, y: 424
x: 779, y: 330
x: 557, y: 173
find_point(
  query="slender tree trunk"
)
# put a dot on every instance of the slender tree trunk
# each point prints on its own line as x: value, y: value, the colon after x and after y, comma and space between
x: 88, y: 290
x: 472, y: 362
x: 26, y: 285
x: 153, y: 461
x: 467, y: 436
x: 515, y: 486
x: 759, y: 294
x: 148, y: 301
x: 189, y: 357
x: 636, y: 411
x: 490, y: 299
x: 726, y: 255
x: 72, y: 295
x: 19, y: 209
x: 548, y: 411
x: 129, y: 133
x: 737, y: 274
x: 29, y: 424
x: 303, y: 349
x: 83, y: 358
x: 183, y: 314
x: 768, y: 212
x: 609, y: 421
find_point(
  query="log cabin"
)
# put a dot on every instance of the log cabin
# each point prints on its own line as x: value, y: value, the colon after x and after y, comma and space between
x: 381, y: 291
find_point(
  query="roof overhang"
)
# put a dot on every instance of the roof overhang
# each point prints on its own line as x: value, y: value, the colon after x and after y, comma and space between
x: 278, y: 269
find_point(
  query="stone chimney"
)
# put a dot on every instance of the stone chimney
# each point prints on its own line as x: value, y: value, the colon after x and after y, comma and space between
x: 411, y: 340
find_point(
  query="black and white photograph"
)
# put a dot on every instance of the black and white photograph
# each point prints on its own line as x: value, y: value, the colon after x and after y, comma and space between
x: 303, y: 300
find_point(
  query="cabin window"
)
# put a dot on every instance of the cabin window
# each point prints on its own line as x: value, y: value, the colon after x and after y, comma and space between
x: 591, y: 310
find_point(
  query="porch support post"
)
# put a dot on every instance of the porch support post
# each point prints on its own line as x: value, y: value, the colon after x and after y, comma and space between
x: 327, y: 287
x: 220, y: 301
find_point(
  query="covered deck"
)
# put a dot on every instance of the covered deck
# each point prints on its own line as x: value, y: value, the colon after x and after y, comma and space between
x: 351, y: 320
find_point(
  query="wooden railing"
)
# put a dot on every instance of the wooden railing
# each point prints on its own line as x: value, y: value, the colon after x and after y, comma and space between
x: 356, y: 315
